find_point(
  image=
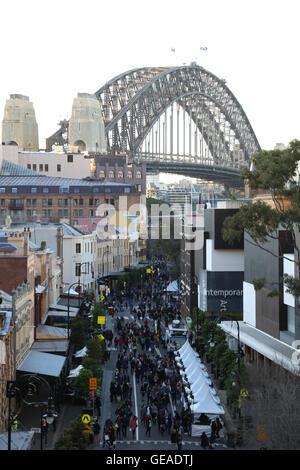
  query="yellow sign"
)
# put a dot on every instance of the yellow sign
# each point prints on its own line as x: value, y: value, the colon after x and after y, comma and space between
x: 102, y: 298
x: 87, y: 429
x: 86, y: 419
x: 244, y: 393
x: 93, y: 384
x: 101, y: 337
x: 101, y: 320
x: 148, y: 271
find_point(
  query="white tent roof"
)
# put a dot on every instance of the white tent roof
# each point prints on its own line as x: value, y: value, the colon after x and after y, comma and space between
x: 75, y: 372
x: 172, y: 287
x: 42, y: 363
x: 81, y: 353
x: 205, y: 398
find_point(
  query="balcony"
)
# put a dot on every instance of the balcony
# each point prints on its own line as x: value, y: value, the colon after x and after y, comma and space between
x: 16, y: 206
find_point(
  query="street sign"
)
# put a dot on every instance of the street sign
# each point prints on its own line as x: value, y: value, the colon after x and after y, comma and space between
x: 101, y: 320
x: 86, y: 419
x: 92, y: 394
x: 37, y: 430
x: 244, y: 393
x: 87, y: 429
x: 93, y: 384
x: 102, y: 298
x: 188, y: 320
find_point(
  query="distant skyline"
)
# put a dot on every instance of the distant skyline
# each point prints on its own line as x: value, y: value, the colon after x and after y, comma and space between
x: 53, y: 50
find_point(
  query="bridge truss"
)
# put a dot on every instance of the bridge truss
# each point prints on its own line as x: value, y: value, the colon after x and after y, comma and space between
x: 176, y: 114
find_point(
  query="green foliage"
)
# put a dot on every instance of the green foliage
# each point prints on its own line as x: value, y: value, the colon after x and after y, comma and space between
x: 73, y: 438
x: 274, y: 172
x: 79, y: 332
x: 259, y: 283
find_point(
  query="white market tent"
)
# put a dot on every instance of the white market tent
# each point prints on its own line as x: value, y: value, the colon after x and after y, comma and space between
x: 81, y: 353
x: 172, y: 287
x: 75, y: 372
x: 201, y: 395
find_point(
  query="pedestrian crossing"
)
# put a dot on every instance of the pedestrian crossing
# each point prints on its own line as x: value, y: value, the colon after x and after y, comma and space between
x: 159, y: 442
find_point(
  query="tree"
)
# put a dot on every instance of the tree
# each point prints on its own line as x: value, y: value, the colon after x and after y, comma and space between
x: 277, y: 173
x: 79, y: 332
x: 73, y: 438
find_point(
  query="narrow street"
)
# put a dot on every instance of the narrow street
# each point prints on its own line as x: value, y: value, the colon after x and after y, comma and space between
x: 142, y: 440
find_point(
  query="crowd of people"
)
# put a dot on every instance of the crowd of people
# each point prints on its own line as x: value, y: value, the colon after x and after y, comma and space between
x: 141, y: 350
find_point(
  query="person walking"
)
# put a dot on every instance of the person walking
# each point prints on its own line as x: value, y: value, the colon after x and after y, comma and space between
x: 204, y: 441
x: 179, y: 440
x: 133, y: 423
x: 96, y: 431
x: 148, y: 422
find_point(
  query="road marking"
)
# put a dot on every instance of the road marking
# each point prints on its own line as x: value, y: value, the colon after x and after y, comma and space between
x: 136, y: 407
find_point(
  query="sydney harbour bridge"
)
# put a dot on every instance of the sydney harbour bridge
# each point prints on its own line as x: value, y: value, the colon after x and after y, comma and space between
x: 182, y: 120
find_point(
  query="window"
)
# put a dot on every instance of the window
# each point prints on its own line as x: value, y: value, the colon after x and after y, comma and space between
x: 58, y: 167
x: 45, y: 190
x: 91, y: 213
x: 75, y: 213
x: 120, y: 174
x: 101, y: 174
x: 28, y: 213
x: 44, y: 213
x: 78, y: 247
x: 34, y: 212
x: 2, y: 202
x: 49, y: 212
x: 77, y: 269
x: 50, y: 202
x: 70, y: 158
x: 59, y: 202
x: 65, y: 202
x: 129, y: 174
x: 66, y: 212
x: 33, y: 202
x: 80, y: 213
x: 96, y: 202
x: 2, y: 190
x: 81, y: 202
x: 126, y: 190
x: 107, y: 190
x: 75, y: 202
x: 111, y: 174
x: 14, y: 190
x: 46, y: 167
x: 76, y: 190
x: 29, y: 166
x: 41, y: 167
x: 139, y: 186
x: 65, y: 190
x: 34, y: 167
x: 60, y: 213
x: 138, y: 174
x: 3, y: 212
x: 34, y: 190
x: 44, y: 202
x: 91, y: 202
x: 28, y: 203
x: 95, y: 190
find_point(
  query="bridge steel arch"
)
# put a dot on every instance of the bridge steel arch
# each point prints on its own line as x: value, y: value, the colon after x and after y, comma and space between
x: 133, y: 102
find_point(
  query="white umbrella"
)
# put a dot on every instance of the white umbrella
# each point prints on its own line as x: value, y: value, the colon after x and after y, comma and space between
x: 75, y: 372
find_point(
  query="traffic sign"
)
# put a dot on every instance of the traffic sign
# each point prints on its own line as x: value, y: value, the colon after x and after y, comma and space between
x: 93, y: 384
x: 244, y: 393
x: 86, y: 419
x: 188, y: 320
x: 101, y: 320
x: 87, y: 429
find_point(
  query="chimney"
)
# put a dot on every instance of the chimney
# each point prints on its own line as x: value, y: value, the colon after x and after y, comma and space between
x: 26, y: 241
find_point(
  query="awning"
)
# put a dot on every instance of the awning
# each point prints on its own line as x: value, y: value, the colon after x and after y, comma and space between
x: 278, y: 352
x: 59, y: 346
x: 59, y: 313
x: 81, y: 353
x: 37, y: 362
x: 48, y: 332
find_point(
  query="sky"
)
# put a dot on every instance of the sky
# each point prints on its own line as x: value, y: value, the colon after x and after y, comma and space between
x: 52, y: 50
